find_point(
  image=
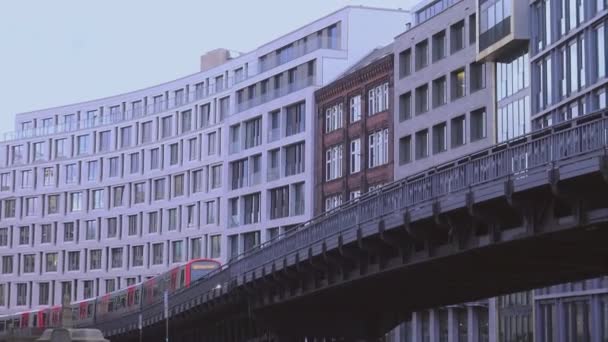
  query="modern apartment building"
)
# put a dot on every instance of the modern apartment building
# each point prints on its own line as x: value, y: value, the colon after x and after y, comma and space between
x: 354, y: 131
x: 443, y: 95
x: 98, y: 195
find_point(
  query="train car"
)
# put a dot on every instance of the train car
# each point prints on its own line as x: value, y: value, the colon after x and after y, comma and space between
x: 119, y: 302
x: 83, y: 312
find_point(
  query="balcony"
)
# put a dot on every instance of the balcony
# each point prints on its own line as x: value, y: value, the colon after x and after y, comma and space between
x: 289, y: 54
x: 275, y: 93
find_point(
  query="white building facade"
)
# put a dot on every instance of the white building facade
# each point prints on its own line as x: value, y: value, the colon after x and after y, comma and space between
x: 99, y: 195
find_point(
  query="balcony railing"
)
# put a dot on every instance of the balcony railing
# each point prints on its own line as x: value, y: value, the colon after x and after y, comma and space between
x: 294, y: 52
x: 275, y: 93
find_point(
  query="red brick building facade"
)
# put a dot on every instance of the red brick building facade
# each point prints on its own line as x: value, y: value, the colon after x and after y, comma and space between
x: 354, y: 131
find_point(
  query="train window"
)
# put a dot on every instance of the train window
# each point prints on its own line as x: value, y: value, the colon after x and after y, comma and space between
x: 35, y: 320
x: 182, y: 277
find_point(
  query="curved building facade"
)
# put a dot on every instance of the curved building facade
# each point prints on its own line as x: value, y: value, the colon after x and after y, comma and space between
x: 99, y: 195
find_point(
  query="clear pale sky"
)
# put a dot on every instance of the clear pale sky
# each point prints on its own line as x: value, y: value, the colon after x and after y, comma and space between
x: 64, y: 51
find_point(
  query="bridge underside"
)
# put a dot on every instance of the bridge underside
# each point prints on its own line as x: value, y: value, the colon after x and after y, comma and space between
x: 362, y: 282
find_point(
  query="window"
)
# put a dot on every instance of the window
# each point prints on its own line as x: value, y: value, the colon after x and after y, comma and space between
x: 138, y: 256
x: 224, y: 107
x: 2, y: 295
x: 378, y: 99
x: 478, y: 76
x: 332, y: 202
x: 92, y: 171
x: 176, y: 251
x: 29, y: 263
x: 132, y: 220
x: 9, y: 208
x: 134, y: 162
x: 216, y: 176
x: 17, y: 154
x: 116, y: 257
x: 422, y: 98
x: 422, y: 144
x: 83, y: 145
x: 458, y: 84
x: 333, y: 162
x: 458, y: 132
x: 186, y: 121
x: 355, y: 108
x: 190, y: 215
x: 112, y: 227
x: 439, y: 46
x: 87, y: 289
x: 90, y: 229
x: 158, y: 103
x: 210, y: 210
x: 59, y: 148
x: 118, y: 195
x: 279, y: 202
x: 192, y: 149
x: 24, y: 235
x: 422, y: 52
x: 68, y: 232
x: 30, y: 206
x: 21, y: 294
x: 178, y: 185
x: 294, y: 159
x: 114, y: 167
x: 472, y: 29
x: 233, y: 212
x: 66, y: 289
x: 275, y: 125
x: 26, y: 179
x: 333, y: 118
x: 97, y: 199
x: 104, y: 141
x: 7, y: 264
x: 405, y: 63
x: 440, y: 138
x: 5, y: 180
x: 195, y: 248
x: 46, y: 233
x: 173, y: 154
x: 153, y: 222
x: 294, y: 118
x: 95, y: 259
x: 405, y: 106
x: 140, y: 193
x: 197, y: 181
x: 478, y: 124
x: 211, y: 141
x: 355, y: 156
x: 154, y: 158
x: 51, y: 262
x: 602, y: 61
x: 252, y: 208
x: 38, y: 151
x: 3, y: 237
x: 73, y: 261
x: 237, y: 173
x: 159, y: 189
x: 405, y: 150
x: 215, y: 249
x: 167, y: 127
x: 146, y: 132
x: 253, y: 132
x: 457, y: 36
x: 157, y: 253
x: 378, y: 148
x: 439, y: 92
x: 172, y: 224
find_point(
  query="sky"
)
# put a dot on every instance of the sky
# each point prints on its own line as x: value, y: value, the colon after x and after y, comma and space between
x: 59, y: 52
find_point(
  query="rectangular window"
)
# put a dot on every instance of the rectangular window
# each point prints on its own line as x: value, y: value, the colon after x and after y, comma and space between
x: 215, y: 247
x: 134, y: 162
x: 210, y: 211
x: 224, y: 107
x: 137, y: 258
x: 51, y: 262
x: 602, y: 61
x: 157, y: 253
x: 422, y: 52
x: 68, y: 232
x: 167, y: 127
x: 252, y: 208
x: 159, y: 189
x: 9, y: 208
x: 140, y: 193
x: 422, y: 144
x: 405, y: 63
x: 216, y: 176
x: 116, y: 257
x: 95, y: 259
x: 279, y: 202
x: 60, y: 151
x: 332, y: 202
x: 472, y: 29
x: 192, y: 149
x: 294, y: 159
x: 173, y: 154
x: 114, y: 167
x: 104, y: 141
x: 405, y: 150
x: 355, y: 108
x: 197, y: 181
x: 73, y: 261
x: 333, y: 162
x: 178, y: 185
x: 112, y: 227
x: 152, y: 222
x: 30, y: 206
x: 190, y: 215
x: 46, y: 233
x: 458, y: 84
x: 478, y: 124
x: 457, y: 36
x: 458, y: 132
x: 90, y: 229
x: 17, y: 154
x: 118, y: 196
x: 211, y: 141
x: 378, y: 99
x: 186, y: 121
x: 422, y: 98
x: 92, y: 170
x: 172, y: 219
x: 253, y: 132
x: 146, y: 132
x: 125, y: 137
x: 132, y: 220
x: 439, y: 92
x: 405, y: 106
x: 21, y: 294
x: 75, y: 201
x: 29, y: 263
x: 38, y: 151
x: 378, y: 148
x: 3, y: 237
x: 176, y: 251
x: 440, y: 138
x: 295, y: 118
x: 5, y: 180
x: 478, y: 76
x: 97, y: 199
x: 154, y: 158
x: 7, y: 264
x: 355, y: 156
x: 439, y: 43
x: 71, y: 174
x: 333, y: 118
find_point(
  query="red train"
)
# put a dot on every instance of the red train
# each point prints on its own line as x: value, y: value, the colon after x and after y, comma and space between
x: 117, y: 303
